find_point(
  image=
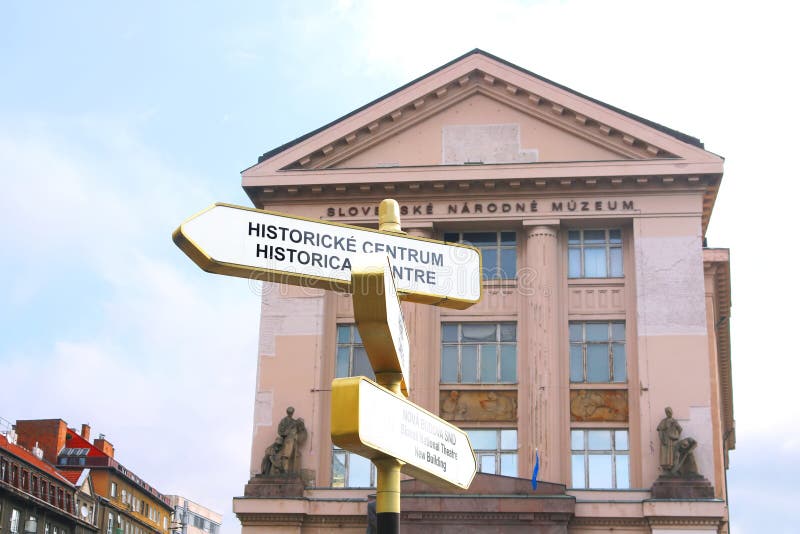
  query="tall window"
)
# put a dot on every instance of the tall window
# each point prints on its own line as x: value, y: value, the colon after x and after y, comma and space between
x: 498, y: 251
x: 114, y: 489
x: 597, y: 352
x: 595, y: 253
x: 479, y: 353
x: 600, y: 459
x: 496, y: 450
x: 351, y: 470
x: 110, y: 524
x: 351, y: 357
x: 14, y: 524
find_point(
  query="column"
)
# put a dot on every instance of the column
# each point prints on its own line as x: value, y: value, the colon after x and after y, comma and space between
x: 539, y: 284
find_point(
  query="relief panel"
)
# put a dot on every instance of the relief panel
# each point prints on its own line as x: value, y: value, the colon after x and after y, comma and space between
x: 598, y: 405
x: 455, y: 405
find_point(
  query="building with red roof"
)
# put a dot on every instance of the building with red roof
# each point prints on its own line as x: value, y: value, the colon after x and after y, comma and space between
x: 35, y: 497
x: 127, y: 503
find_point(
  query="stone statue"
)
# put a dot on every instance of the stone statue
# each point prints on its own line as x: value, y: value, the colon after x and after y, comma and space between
x: 679, y: 477
x: 669, y: 432
x: 686, y: 466
x: 282, y: 457
x: 271, y: 457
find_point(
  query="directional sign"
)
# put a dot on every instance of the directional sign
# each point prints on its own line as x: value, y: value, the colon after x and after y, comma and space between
x: 379, y: 317
x: 263, y: 245
x: 371, y: 421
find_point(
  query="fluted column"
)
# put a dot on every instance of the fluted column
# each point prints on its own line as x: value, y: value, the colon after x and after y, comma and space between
x: 422, y: 321
x: 539, y: 284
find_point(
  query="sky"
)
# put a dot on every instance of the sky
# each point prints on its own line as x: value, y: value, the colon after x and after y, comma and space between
x: 118, y: 120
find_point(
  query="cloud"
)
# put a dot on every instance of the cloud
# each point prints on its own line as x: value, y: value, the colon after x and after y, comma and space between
x: 168, y: 358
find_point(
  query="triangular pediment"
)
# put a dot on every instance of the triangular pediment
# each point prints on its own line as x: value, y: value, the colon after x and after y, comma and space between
x: 480, y: 110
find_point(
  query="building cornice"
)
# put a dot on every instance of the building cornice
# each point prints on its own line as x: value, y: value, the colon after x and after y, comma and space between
x: 548, y: 110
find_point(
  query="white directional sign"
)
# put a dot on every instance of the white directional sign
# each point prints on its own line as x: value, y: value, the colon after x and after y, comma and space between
x: 251, y: 243
x: 379, y: 317
x: 371, y: 421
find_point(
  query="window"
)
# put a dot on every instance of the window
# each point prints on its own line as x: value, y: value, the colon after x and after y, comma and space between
x: 479, y: 353
x: 600, y: 459
x: 198, y: 522
x: 351, y: 470
x: 496, y: 450
x: 25, y: 480
x: 597, y: 352
x: 351, y: 357
x: 14, y: 524
x: 34, y: 485
x: 595, y: 253
x: 498, y: 251
x: 47, y: 528
x: 114, y: 489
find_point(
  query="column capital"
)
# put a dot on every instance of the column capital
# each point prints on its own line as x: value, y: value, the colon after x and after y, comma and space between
x: 541, y: 228
x: 541, y: 222
x: 419, y: 229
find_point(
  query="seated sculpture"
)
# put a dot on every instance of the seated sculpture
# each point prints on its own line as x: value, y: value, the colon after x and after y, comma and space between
x: 282, y: 457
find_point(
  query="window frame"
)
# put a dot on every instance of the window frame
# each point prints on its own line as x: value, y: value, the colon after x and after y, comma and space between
x: 612, y: 356
x: 498, y: 453
x: 608, y: 245
x: 613, y: 452
x: 498, y: 344
x: 373, y: 472
x: 13, y: 521
x: 354, y: 342
x: 499, y: 247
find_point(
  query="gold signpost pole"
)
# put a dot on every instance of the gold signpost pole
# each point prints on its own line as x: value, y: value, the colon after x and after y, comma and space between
x: 387, y: 498
x: 207, y: 239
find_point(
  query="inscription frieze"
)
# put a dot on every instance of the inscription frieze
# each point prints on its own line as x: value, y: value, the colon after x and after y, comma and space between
x: 489, y: 207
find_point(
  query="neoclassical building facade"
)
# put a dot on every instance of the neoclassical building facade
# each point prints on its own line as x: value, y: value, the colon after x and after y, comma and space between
x: 602, y: 306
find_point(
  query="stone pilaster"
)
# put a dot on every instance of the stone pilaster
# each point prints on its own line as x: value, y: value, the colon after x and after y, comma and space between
x: 540, y: 366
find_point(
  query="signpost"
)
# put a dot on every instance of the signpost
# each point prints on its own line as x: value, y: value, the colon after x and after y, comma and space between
x: 371, y: 421
x: 379, y: 317
x: 378, y: 268
x: 263, y: 245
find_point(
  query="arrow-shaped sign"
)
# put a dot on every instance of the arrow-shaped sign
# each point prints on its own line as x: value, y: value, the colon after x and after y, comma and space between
x: 371, y: 421
x: 263, y: 245
x: 379, y: 317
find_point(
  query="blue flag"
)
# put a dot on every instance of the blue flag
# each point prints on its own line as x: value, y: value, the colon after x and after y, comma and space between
x: 534, y: 481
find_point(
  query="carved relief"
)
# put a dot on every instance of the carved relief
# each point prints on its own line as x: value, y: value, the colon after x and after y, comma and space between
x: 478, y: 405
x: 598, y: 405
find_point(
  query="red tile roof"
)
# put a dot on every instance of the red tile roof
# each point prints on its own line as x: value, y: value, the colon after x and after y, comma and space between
x: 77, y: 442
x: 27, y: 456
x: 72, y: 476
